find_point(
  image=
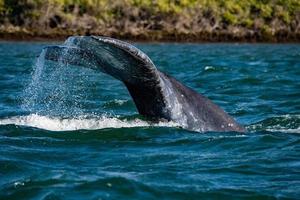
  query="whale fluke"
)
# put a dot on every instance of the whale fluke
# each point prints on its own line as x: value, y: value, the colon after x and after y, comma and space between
x: 156, y: 94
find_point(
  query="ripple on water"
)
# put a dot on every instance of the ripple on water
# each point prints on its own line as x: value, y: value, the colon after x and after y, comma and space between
x: 67, y: 136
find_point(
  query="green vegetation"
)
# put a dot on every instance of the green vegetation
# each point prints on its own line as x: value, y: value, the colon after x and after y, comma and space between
x: 208, y: 20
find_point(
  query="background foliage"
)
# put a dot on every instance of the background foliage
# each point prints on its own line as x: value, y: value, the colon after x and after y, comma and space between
x: 155, y: 19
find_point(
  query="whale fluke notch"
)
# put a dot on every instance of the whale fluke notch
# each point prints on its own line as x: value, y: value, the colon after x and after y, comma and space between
x: 156, y: 94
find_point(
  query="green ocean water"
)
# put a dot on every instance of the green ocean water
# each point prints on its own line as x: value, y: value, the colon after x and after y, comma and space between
x: 73, y: 133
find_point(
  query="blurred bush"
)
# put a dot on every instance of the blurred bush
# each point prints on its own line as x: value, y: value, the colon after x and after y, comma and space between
x: 153, y: 18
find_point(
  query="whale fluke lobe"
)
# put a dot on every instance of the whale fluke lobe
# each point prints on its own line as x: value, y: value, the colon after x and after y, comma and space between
x: 155, y: 94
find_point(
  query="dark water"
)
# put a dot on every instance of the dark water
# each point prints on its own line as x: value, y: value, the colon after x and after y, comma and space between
x: 72, y: 133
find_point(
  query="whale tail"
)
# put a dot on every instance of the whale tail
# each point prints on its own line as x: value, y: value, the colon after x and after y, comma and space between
x: 156, y: 95
x: 120, y: 60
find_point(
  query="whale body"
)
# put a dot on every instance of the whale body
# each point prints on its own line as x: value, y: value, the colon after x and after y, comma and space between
x: 156, y: 94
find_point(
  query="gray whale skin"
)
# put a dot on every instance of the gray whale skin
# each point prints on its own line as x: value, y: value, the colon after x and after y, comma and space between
x: 156, y: 95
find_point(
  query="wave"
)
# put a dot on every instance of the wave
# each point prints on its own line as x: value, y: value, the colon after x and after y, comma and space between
x: 289, y: 123
x: 80, y: 123
x: 284, y: 123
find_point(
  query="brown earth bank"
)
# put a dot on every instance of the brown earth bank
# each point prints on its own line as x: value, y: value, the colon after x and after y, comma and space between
x: 158, y: 36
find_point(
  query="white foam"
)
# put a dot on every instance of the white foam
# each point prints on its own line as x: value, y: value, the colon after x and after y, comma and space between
x: 296, y: 130
x: 206, y: 68
x: 58, y: 124
x: 290, y: 125
x: 119, y: 101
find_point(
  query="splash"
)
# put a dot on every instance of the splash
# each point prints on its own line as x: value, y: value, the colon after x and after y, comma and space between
x: 80, y: 123
x: 56, y: 89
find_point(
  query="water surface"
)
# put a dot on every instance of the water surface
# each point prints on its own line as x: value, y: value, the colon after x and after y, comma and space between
x: 72, y: 133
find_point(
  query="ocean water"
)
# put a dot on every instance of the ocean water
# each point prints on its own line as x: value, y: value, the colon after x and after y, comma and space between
x: 72, y: 133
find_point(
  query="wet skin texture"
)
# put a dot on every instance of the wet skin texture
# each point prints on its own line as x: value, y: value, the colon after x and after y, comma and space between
x: 156, y: 94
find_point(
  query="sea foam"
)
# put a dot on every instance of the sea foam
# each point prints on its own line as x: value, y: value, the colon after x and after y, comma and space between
x: 82, y: 122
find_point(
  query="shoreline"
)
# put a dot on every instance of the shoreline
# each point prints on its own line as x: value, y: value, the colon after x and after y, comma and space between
x: 158, y: 37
